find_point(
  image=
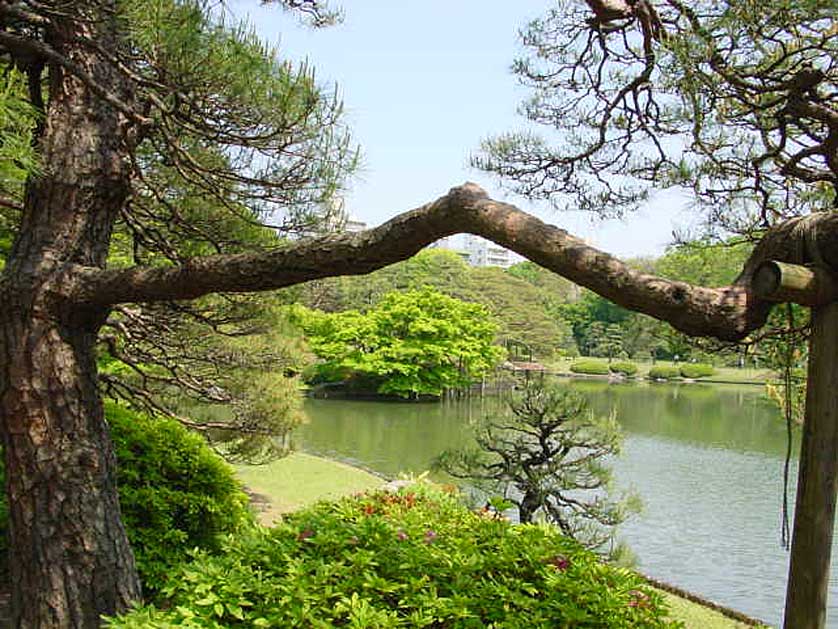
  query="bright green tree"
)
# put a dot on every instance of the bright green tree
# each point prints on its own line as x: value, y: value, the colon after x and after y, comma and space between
x: 417, y: 342
x: 521, y: 299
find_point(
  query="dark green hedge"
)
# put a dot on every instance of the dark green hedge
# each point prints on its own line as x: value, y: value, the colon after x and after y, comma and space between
x: 590, y: 367
x: 624, y: 367
x: 697, y: 370
x: 664, y: 372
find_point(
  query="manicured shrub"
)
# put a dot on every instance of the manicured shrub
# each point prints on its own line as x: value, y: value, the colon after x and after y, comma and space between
x: 664, y: 372
x: 624, y: 367
x: 175, y: 493
x: 416, y: 558
x: 590, y: 367
x: 697, y: 370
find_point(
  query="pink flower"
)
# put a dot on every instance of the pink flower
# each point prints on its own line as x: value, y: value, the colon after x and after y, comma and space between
x: 401, y: 535
x: 430, y: 536
x: 638, y: 599
x: 559, y: 562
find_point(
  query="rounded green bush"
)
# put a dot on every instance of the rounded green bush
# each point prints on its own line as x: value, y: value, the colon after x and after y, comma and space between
x: 664, y: 372
x: 624, y: 367
x: 590, y: 367
x: 415, y: 558
x: 175, y: 493
x: 697, y: 370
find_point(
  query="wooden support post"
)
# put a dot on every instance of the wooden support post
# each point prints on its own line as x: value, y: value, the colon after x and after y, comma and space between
x: 817, y: 484
x: 817, y: 479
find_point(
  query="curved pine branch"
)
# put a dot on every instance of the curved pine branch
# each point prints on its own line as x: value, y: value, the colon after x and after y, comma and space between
x: 727, y: 313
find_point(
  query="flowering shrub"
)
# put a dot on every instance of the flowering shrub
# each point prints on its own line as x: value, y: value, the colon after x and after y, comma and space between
x: 417, y: 558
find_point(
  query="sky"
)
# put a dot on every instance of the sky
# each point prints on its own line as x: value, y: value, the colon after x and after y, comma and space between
x: 423, y: 83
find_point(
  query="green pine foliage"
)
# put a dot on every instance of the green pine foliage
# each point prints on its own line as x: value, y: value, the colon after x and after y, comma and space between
x: 416, y: 558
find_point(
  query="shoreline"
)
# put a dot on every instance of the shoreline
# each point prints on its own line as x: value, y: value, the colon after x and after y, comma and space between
x: 267, y: 507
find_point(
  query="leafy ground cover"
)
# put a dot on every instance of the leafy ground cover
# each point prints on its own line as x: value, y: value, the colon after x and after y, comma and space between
x: 304, y: 479
x: 416, y: 558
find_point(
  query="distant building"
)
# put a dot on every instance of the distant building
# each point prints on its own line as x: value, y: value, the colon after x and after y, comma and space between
x: 478, y: 251
x: 353, y: 224
x: 444, y: 243
x: 334, y: 219
x: 484, y: 252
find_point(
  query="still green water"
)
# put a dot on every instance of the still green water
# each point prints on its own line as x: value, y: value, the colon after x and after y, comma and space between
x: 706, y: 460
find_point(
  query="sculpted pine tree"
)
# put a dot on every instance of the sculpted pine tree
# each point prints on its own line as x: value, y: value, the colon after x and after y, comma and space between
x: 127, y: 106
x: 546, y: 454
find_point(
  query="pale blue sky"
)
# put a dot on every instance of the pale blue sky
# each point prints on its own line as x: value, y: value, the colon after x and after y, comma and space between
x: 423, y: 83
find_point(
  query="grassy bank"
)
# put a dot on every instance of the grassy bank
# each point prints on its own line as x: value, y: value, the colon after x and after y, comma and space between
x: 299, y: 480
x: 696, y: 616
x: 302, y: 479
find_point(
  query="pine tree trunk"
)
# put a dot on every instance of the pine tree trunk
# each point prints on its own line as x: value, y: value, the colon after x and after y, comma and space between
x: 70, y: 560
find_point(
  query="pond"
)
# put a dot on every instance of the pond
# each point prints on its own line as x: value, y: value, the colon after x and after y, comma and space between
x: 707, y: 460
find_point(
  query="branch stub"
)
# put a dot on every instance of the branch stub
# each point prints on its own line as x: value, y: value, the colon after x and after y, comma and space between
x: 782, y: 282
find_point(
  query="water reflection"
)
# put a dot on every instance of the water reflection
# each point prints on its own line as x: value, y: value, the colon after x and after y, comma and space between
x: 707, y: 461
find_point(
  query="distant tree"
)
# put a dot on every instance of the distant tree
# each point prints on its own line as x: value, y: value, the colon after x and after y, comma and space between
x: 521, y: 310
x: 589, y: 318
x: 704, y: 262
x: 440, y: 269
x: 417, y: 342
x: 547, y: 456
x: 555, y: 288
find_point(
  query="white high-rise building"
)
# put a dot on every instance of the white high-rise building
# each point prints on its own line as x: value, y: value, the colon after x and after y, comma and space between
x: 484, y: 252
x: 353, y: 224
x: 335, y: 219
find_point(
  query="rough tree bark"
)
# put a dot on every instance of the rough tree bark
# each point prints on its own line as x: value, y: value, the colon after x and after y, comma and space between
x: 69, y: 557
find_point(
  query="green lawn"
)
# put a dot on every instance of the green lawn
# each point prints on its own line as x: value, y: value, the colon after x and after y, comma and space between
x: 302, y: 479
x: 696, y: 616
